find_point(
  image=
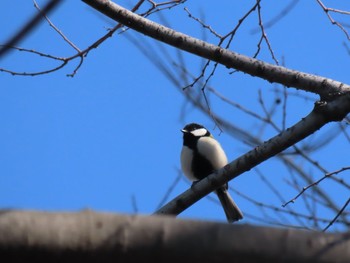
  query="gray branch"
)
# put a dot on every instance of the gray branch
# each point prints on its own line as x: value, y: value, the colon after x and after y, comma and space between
x: 31, y: 236
x: 326, y: 88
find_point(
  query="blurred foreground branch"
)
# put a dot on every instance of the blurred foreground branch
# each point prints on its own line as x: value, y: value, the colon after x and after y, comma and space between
x: 88, y: 236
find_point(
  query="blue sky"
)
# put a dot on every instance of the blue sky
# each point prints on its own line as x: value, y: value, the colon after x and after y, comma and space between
x: 110, y: 136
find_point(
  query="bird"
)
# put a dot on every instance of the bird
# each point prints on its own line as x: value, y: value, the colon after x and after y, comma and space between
x: 201, y: 155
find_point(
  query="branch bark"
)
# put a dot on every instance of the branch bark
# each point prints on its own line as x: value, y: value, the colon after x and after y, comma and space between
x: 326, y: 88
x: 87, y: 236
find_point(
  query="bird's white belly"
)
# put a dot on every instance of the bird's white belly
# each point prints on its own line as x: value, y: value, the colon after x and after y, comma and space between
x: 186, y: 163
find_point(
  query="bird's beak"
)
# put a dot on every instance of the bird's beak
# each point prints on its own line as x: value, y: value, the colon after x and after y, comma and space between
x: 184, y: 131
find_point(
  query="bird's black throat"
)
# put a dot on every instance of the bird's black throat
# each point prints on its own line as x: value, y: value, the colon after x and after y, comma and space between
x: 201, y: 166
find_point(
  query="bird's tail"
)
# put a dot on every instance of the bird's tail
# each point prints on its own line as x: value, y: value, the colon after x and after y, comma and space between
x: 233, y: 213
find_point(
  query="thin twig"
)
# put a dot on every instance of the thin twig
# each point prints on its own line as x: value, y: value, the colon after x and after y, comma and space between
x: 203, y: 24
x: 282, y: 14
x: 280, y: 210
x: 327, y: 10
x: 336, y: 217
x: 156, y: 7
x: 170, y: 190
x: 33, y: 22
x: 327, y: 175
x: 264, y: 36
x: 236, y: 105
x: 268, y: 113
x: 81, y: 54
x: 55, y: 28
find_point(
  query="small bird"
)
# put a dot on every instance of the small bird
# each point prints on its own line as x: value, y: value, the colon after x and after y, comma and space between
x: 201, y: 155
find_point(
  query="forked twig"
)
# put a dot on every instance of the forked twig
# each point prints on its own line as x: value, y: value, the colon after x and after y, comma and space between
x: 327, y: 175
x: 327, y: 10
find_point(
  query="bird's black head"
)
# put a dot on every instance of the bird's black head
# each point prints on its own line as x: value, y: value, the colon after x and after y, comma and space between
x: 192, y: 132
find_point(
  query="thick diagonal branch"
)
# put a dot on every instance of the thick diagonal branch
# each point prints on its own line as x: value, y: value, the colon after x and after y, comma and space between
x: 322, y: 114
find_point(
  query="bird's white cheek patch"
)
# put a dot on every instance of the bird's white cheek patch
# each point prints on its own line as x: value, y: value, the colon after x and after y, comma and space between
x: 199, y: 132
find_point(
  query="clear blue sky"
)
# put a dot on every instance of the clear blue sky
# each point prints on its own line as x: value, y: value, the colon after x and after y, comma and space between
x: 111, y: 133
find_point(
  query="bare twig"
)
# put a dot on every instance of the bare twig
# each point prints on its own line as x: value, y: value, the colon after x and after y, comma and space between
x: 282, y: 14
x: 263, y: 36
x: 41, y: 54
x: 194, y: 82
x: 282, y: 210
x: 327, y: 10
x: 156, y: 7
x: 338, y: 214
x: 268, y: 113
x: 236, y: 105
x: 170, y: 189
x: 81, y: 54
x: 327, y: 175
x: 229, y: 35
x: 55, y: 28
x: 33, y: 22
x: 203, y: 24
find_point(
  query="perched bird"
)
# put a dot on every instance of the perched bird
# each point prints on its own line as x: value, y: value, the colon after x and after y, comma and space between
x: 201, y: 155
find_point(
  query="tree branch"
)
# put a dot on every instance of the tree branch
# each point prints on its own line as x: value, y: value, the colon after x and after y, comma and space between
x: 32, y: 236
x: 321, y: 115
x: 325, y: 87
